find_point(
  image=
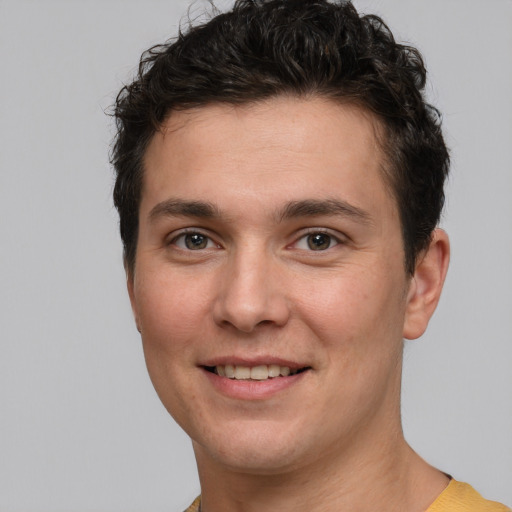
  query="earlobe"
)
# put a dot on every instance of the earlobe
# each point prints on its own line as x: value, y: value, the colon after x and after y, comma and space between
x: 426, y: 285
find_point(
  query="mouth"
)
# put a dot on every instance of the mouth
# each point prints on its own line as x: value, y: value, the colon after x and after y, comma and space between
x: 260, y: 373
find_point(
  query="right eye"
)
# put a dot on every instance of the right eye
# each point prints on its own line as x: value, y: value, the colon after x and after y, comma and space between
x: 318, y: 241
x: 194, y: 241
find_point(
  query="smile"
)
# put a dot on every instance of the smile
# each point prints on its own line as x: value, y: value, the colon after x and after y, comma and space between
x: 259, y: 373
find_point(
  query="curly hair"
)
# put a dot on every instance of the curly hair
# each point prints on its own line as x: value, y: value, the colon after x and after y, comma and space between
x: 265, y: 48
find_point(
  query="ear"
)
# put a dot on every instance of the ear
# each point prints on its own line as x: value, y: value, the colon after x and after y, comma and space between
x: 426, y: 285
x: 130, y: 285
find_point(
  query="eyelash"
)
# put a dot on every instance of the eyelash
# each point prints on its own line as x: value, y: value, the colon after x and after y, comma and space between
x: 191, y: 232
x: 210, y: 243
x: 322, y: 232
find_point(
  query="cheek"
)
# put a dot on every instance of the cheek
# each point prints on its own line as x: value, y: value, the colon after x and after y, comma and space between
x: 171, y: 315
x: 357, y: 313
x: 170, y: 305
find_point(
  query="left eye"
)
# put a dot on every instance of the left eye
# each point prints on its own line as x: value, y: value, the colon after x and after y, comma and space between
x: 193, y: 241
x: 316, y: 242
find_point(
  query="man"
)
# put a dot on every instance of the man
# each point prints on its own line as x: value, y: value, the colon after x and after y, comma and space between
x: 279, y: 184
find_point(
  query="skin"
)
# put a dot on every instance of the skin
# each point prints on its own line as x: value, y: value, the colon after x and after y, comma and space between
x: 255, y: 291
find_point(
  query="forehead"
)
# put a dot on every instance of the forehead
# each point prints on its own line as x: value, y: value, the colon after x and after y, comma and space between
x: 263, y: 153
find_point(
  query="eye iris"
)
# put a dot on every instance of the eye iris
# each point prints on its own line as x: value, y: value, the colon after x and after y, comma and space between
x: 319, y: 241
x: 196, y: 241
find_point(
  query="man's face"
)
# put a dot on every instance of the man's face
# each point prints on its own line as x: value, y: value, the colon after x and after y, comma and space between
x: 270, y: 245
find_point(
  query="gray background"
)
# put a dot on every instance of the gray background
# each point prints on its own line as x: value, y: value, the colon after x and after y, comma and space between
x: 81, y: 428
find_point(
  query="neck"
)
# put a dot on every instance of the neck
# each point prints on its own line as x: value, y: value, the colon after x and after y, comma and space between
x: 384, y: 476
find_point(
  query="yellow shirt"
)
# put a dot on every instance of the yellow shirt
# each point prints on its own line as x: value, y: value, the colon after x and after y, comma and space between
x: 195, y: 506
x: 457, y: 497
x: 461, y: 497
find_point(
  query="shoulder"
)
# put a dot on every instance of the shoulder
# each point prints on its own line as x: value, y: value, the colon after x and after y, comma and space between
x: 461, y: 497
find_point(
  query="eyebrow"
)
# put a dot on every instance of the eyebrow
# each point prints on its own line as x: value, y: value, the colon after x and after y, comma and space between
x: 182, y: 208
x: 292, y: 210
x: 328, y: 207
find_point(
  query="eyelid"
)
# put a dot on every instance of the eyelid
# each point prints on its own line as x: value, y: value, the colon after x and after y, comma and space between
x: 338, y: 237
x: 175, y: 235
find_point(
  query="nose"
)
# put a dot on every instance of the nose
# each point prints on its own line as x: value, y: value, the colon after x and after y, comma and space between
x: 251, y: 293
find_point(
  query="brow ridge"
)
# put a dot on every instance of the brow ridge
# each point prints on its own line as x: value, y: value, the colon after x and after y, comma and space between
x: 318, y: 207
x: 292, y: 210
x: 180, y: 207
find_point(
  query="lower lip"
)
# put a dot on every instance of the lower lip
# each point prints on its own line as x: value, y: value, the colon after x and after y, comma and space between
x: 253, y: 389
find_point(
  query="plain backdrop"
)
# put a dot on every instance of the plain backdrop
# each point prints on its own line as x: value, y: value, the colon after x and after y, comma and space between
x: 81, y: 428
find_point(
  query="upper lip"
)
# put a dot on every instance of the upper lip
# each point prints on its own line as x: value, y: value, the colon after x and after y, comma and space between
x: 252, y: 361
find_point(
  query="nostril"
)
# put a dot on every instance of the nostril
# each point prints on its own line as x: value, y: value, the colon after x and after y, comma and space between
x: 264, y: 322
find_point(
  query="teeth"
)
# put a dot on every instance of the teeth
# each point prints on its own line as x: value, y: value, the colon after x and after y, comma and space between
x: 259, y: 372
x: 274, y: 370
x: 262, y: 372
x: 284, y: 371
x: 242, y: 373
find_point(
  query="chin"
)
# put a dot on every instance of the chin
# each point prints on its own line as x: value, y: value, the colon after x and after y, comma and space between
x: 253, y: 450
x: 250, y: 462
